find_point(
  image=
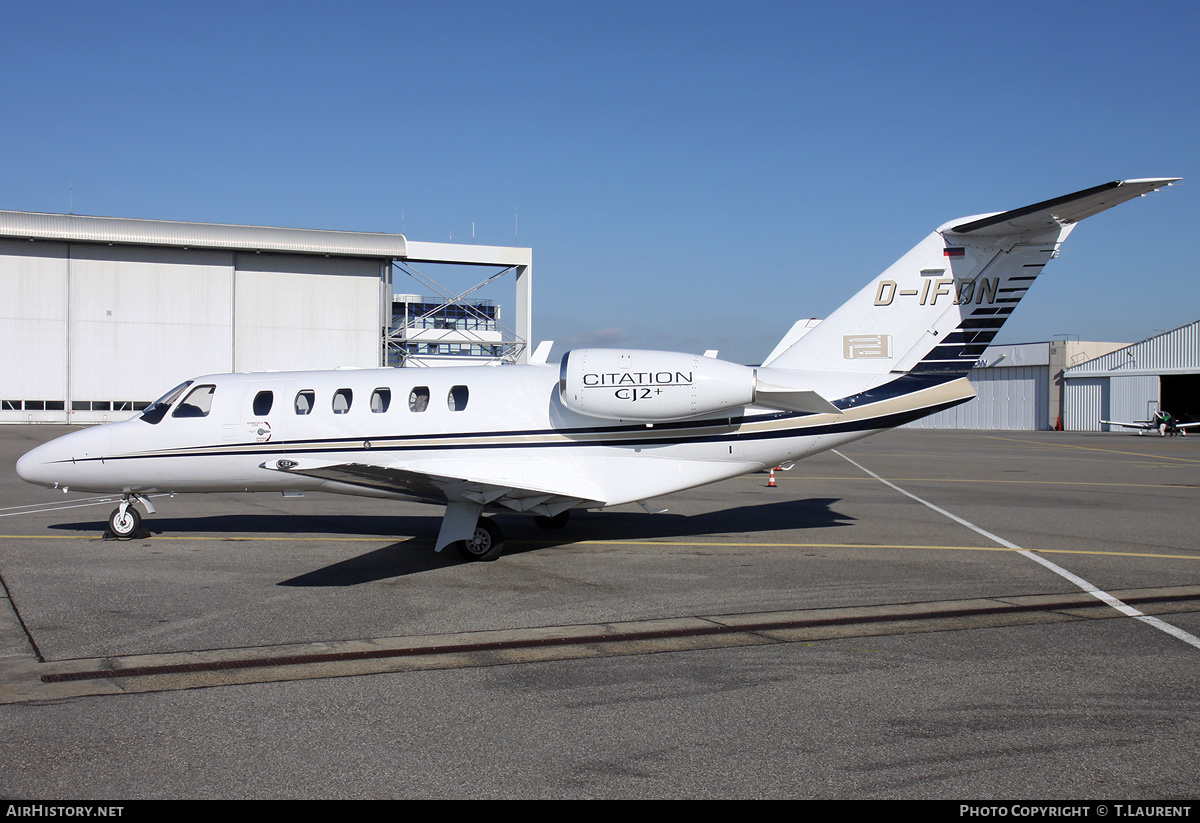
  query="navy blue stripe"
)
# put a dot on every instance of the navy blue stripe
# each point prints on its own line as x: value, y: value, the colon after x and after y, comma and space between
x: 868, y: 424
x: 985, y: 336
x: 663, y: 434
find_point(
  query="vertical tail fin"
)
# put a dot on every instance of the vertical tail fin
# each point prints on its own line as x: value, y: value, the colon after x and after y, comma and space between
x: 937, y: 308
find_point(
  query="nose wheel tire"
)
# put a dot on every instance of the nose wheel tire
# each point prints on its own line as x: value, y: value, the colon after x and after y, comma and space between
x: 124, y: 522
x: 486, y: 544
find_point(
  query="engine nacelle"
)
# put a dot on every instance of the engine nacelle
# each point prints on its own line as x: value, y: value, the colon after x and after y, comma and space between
x: 629, y: 384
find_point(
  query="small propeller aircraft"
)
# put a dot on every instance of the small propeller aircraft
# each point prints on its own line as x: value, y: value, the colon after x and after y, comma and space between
x: 1162, y: 422
x: 603, y: 427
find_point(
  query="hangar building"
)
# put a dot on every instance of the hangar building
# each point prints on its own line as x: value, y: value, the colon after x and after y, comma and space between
x: 1019, y: 387
x: 101, y: 315
x: 1131, y: 383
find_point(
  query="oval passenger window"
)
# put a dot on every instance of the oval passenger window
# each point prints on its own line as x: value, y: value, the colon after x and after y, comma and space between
x: 418, y: 399
x: 380, y: 400
x: 262, y: 403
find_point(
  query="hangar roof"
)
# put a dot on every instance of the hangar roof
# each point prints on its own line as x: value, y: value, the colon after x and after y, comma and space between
x: 1172, y: 352
x: 78, y: 228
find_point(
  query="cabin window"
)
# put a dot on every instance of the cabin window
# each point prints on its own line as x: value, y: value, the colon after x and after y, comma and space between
x: 457, y: 399
x: 418, y: 399
x: 198, y: 403
x: 342, y: 398
x: 263, y: 402
x: 380, y: 400
x: 305, y: 400
x: 155, y: 411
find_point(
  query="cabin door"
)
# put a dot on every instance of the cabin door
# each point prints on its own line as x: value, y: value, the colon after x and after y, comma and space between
x: 260, y: 414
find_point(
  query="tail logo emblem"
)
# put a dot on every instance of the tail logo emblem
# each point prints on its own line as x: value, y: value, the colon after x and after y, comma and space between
x: 866, y: 346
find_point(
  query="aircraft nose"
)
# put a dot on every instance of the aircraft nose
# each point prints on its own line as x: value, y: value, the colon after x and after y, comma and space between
x: 53, y: 464
x: 39, y: 465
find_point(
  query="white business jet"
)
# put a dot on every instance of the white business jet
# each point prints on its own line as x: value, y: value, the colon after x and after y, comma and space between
x: 604, y: 427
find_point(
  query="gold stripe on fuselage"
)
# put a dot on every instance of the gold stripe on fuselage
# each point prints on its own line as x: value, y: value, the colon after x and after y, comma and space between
x: 944, y: 393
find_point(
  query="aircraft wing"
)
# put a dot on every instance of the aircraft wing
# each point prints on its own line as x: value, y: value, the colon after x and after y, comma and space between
x: 1141, y: 424
x: 447, y: 482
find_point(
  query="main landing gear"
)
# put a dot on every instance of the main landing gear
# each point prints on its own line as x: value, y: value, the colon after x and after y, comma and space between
x: 486, y: 544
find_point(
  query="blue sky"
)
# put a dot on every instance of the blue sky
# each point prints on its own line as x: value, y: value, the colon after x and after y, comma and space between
x: 690, y: 175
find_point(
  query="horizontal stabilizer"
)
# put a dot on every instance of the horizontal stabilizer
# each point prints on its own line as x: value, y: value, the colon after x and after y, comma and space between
x: 775, y: 389
x: 777, y: 397
x: 1061, y: 211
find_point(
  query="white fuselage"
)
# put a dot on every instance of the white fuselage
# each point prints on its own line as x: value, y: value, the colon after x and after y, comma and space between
x: 502, y: 425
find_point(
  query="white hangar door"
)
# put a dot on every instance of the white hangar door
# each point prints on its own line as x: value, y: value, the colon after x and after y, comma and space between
x: 298, y: 312
x: 33, y: 331
x: 142, y: 319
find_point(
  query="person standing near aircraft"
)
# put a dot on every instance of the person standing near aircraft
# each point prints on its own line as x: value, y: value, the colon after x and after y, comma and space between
x: 1163, y: 419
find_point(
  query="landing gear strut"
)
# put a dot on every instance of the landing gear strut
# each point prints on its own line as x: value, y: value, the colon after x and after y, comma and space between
x: 486, y: 544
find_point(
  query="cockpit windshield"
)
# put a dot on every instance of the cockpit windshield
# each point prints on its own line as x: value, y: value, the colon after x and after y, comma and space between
x: 156, y: 410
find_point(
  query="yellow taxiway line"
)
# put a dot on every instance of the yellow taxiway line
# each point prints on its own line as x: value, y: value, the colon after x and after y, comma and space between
x: 676, y: 543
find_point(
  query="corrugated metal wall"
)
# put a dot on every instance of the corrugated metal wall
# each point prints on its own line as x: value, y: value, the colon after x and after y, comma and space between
x: 1121, y: 385
x: 1085, y: 404
x: 1177, y: 350
x: 1007, y: 399
x: 1128, y: 398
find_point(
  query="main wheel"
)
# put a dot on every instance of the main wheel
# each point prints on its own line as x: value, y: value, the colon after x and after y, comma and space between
x: 124, y: 524
x: 556, y: 522
x: 486, y: 544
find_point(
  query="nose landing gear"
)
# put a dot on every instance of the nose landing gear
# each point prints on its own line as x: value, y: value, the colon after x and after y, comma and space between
x: 125, y: 522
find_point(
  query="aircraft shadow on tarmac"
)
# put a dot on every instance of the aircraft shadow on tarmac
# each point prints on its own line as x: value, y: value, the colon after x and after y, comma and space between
x: 521, y: 534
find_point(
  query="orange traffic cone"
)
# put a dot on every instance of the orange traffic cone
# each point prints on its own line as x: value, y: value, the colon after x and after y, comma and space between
x: 771, y: 480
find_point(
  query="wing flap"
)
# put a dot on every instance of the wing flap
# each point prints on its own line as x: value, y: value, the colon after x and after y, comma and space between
x: 446, y: 485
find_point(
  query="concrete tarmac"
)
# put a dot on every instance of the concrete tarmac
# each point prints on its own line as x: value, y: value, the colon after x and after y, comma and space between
x: 877, y: 626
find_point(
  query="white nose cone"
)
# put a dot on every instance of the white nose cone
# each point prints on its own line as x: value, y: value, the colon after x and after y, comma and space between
x: 41, y: 465
x: 64, y: 462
